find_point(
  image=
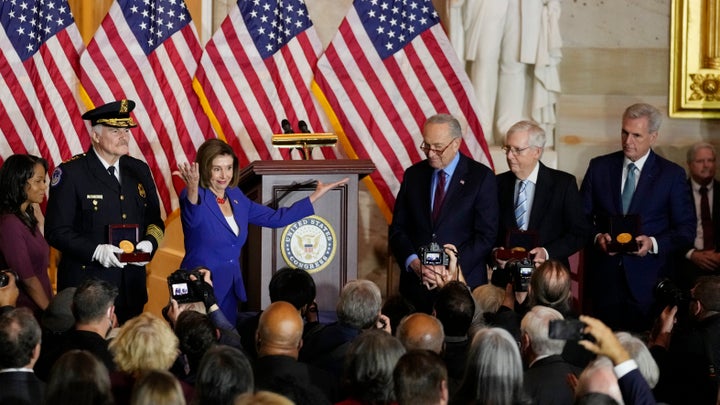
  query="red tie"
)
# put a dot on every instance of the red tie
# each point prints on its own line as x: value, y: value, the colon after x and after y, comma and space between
x: 706, y: 220
x: 439, y: 195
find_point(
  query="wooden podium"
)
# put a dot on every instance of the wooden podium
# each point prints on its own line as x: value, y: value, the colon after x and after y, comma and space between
x: 324, y: 244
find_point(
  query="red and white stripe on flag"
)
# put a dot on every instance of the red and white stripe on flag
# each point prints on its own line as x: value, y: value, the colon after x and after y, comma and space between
x: 147, y: 51
x: 388, y: 69
x: 256, y: 71
x: 39, y: 63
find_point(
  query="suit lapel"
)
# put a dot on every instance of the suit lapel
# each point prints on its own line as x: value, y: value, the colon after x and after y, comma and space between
x: 457, y: 181
x: 215, y: 208
x: 544, y: 189
x: 615, y: 178
x: 645, y: 183
x: 98, y: 170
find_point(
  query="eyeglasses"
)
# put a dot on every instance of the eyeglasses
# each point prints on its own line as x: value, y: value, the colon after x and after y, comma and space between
x: 427, y: 148
x: 515, y: 151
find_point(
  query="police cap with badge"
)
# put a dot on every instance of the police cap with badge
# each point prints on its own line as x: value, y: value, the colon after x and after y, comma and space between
x: 115, y: 114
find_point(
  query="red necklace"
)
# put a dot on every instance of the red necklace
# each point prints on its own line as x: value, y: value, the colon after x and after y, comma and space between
x: 220, y: 200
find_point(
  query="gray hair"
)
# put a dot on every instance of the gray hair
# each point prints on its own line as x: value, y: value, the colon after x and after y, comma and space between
x: 369, y: 364
x: 599, y: 377
x: 452, y: 122
x: 640, y: 353
x: 359, y: 304
x: 494, y: 371
x: 535, y: 132
x: 641, y: 110
x: 536, y: 324
x: 696, y: 147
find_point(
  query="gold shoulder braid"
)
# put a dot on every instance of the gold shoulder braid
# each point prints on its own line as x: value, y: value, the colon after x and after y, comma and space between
x: 155, y: 231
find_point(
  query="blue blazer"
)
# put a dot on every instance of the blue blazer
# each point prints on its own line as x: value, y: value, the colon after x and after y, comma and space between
x: 468, y: 218
x: 210, y: 242
x: 662, y: 199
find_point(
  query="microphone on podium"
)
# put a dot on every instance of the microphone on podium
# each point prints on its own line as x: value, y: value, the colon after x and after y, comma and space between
x: 286, y: 127
x: 303, y: 127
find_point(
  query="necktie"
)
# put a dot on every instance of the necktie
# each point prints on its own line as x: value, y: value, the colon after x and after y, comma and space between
x: 439, y: 194
x: 521, y: 206
x: 111, y: 171
x: 706, y: 220
x: 629, y: 188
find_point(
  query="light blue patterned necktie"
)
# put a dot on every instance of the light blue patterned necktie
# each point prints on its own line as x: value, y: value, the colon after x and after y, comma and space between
x: 521, y: 206
x: 629, y: 188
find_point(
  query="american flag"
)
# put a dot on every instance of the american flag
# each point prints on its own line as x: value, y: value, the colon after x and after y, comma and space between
x: 388, y: 69
x: 256, y: 71
x: 147, y: 51
x: 39, y: 63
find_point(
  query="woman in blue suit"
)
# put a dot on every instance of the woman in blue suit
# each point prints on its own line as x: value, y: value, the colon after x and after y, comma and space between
x: 215, y: 216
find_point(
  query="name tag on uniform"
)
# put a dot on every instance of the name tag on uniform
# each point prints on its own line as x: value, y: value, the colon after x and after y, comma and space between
x: 94, y: 196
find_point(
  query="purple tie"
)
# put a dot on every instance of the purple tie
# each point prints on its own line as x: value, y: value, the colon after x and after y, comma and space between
x: 439, y: 194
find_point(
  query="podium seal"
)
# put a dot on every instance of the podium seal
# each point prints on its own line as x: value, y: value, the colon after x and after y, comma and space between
x: 309, y: 244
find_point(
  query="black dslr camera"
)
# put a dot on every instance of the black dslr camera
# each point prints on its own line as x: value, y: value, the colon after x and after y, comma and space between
x: 668, y: 294
x: 434, y: 255
x: 181, y: 286
x: 517, y: 271
x: 5, y: 277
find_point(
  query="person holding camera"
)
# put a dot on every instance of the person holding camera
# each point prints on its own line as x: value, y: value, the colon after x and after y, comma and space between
x: 215, y: 216
x: 537, y: 201
x: 446, y: 198
x: 688, y: 353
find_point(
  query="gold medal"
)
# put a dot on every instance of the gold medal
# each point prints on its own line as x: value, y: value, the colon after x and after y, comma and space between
x: 624, y: 237
x: 518, y: 249
x: 126, y: 246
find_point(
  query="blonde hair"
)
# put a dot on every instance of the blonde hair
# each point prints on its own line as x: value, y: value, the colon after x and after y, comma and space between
x: 262, y: 398
x: 157, y: 387
x: 144, y: 343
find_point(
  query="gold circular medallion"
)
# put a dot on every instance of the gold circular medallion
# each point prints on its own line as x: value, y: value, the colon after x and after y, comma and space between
x: 126, y: 246
x: 518, y: 249
x: 624, y: 237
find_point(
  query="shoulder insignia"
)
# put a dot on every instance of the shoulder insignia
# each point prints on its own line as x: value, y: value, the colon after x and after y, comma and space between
x: 141, y: 190
x: 78, y: 156
x: 56, y: 176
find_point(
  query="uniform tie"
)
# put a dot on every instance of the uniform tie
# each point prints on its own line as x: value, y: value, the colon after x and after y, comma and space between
x: 439, y: 194
x: 706, y: 220
x: 521, y: 206
x: 629, y: 188
x: 111, y: 171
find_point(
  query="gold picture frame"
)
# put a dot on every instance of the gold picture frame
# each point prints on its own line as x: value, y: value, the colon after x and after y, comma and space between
x: 695, y: 59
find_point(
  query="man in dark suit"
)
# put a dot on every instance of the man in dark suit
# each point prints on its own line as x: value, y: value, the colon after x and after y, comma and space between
x: 703, y: 258
x: 546, y: 375
x: 535, y: 198
x: 97, y: 189
x: 446, y: 198
x: 19, y: 350
x: 634, y: 181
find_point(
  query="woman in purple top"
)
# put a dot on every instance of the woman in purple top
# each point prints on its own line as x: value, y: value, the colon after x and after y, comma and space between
x: 23, y: 248
x: 215, y: 216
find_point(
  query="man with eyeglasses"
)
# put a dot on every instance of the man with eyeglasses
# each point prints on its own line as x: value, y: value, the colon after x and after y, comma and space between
x: 446, y: 198
x: 95, y: 190
x: 537, y: 199
x: 648, y: 198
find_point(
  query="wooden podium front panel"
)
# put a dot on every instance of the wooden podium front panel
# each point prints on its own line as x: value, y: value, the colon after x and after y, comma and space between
x: 262, y: 255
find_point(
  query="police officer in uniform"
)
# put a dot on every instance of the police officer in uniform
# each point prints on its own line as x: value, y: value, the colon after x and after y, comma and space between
x: 95, y: 190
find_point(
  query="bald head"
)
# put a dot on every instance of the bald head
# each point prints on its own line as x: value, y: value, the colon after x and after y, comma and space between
x: 421, y: 332
x: 599, y: 376
x: 279, y: 330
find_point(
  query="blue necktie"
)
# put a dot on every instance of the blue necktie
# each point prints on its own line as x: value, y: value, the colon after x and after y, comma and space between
x: 521, y: 206
x: 629, y: 188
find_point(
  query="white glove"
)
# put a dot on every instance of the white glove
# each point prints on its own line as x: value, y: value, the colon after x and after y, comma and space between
x: 143, y: 246
x: 105, y: 255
